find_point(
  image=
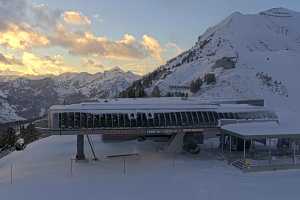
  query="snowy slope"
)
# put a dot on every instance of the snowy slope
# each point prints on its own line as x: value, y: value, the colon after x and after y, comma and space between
x: 30, y: 97
x: 45, y: 166
x: 264, y: 48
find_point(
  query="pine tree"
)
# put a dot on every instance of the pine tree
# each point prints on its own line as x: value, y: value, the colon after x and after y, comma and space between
x: 155, y: 92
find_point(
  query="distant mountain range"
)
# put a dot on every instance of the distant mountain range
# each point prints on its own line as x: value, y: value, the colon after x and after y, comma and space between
x: 30, y: 96
x: 244, y: 56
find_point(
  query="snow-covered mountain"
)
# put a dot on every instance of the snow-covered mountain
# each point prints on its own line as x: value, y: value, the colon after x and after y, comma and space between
x: 30, y: 97
x: 250, y: 55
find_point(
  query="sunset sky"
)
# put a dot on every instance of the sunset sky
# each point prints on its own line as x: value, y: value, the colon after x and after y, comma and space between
x: 54, y: 36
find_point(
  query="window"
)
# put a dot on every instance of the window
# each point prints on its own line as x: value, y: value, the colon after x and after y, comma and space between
x: 216, y: 116
x: 168, y: 119
x: 133, y: 121
x: 71, y: 120
x: 189, y: 118
x: 139, y: 119
x: 184, y: 119
x: 96, y: 121
x: 179, y: 118
x: 162, y: 121
x: 108, y: 120
x: 83, y: 120
x: 90, y: 118
x: 144, y: 120
x: 200, y: 117
x: 115, y: 120
x: 126, y: 120
x: 121, y: 120
x: 205, y: 117
x: 156, y: 119
x: 195, y: 118
x: 77, y: 120
x: 173, y: 119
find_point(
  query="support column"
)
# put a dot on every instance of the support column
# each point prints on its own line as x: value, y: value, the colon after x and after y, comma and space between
x: 294, y: 153
x: 80, y: 148
x: 270, y: 150
x: 230, y: 143
x: 244, y: 149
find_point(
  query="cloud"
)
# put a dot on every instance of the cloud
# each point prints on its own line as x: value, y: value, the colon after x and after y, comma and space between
x: 91, y: 63
x: 86, y: 43
x: 9, y: 60
x: 174, y: 46
x: 76, y: 18
x: 98, y: 18
x: 36, y: 65
x: 22, y: 37
x: 153, y: 47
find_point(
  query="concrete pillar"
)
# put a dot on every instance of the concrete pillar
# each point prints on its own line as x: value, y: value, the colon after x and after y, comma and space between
x: 294, y: 153
x: 230, y: 143
x: 80, y: 148
x: 244, y: 149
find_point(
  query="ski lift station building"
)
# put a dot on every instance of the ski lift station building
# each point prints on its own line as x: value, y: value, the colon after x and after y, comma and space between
x: 151, y: 117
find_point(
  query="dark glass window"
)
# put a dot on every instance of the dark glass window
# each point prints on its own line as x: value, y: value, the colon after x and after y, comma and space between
x: 126, y: 120
x: 83, y: 120
x: 150, y: 120
x: 190, y: 118
x: 156, y: 119
x: 71, y: 120
x: 200, y: 117
x: 205, y: 117
x: 108, y: 120
x: 162, y: 120
x: 184, y: 119
x: 211, y: 117
x: 220, y: 116
x: 195, y: 117
x: 114, y: 120
x: 173, y: 119
x: 216, y: 116
x: 96, y: 121
x: 121, y: 120
x: 77, y: 120
x: 139, y: 119
x: 168, y: 119
x: 144, y: 120
x: 90, y: 118
x: 179, y: 118
x: 133, y: 120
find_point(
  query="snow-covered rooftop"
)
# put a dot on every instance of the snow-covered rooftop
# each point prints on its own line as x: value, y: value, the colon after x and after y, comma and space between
x: 162, y: 103
x: 263, y: 129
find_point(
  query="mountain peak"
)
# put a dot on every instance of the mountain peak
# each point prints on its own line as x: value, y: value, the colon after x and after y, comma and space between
x: 278, y: 12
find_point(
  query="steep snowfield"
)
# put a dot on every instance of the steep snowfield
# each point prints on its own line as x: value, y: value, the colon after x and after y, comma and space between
x: 43, y: 171
x: 265, y: 47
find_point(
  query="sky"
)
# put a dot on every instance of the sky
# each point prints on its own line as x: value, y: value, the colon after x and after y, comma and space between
x: 41, y: 37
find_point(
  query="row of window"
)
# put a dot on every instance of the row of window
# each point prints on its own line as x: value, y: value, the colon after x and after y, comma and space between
x: 120, y: 120
x: 248, y: 115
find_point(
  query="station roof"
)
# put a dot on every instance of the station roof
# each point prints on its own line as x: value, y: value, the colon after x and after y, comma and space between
x: 262, y: 130
x: 162, y: 103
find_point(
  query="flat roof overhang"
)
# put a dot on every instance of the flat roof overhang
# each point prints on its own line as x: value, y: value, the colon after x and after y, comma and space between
x: 261, y: 130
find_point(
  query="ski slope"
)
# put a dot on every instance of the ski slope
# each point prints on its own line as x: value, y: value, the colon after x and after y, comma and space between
x: 42, y: 171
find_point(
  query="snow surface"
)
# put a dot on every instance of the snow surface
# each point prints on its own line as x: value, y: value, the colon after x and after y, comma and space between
x: 42, y: 171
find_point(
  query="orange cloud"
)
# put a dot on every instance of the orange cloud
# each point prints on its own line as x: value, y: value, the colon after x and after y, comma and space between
x: 153, y: 46
x: 76, y: 18
x: 36, y: 65
x: 86, y: 43
x: 17, y: 37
